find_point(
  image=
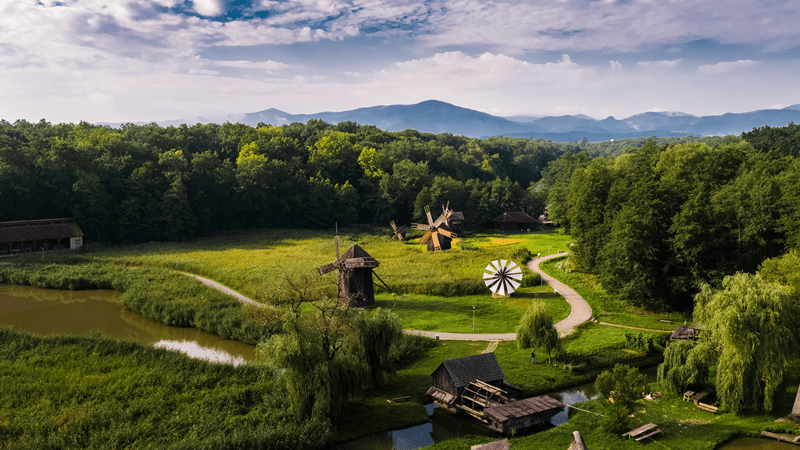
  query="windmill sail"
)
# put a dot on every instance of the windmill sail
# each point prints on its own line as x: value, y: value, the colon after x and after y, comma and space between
x: 502, y: 277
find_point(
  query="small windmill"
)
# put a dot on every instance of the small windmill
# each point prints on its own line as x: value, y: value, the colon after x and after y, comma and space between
x: 437, y: 231
x: 499, y: 277
x: 355, y: 275
x: 399, y: 232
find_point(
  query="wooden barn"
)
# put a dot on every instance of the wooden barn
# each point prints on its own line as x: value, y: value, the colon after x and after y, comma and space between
x: 514, y: 221
x: 456, y: 223
x: 39, y: 235
x: 475, y: 384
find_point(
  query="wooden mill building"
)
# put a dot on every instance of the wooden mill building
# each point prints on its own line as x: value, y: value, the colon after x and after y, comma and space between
x: 27, y: 236
x: 355, y: 276
x: 475, y: 384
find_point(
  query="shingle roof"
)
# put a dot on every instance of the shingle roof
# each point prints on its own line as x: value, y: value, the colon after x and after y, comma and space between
x: 30, y: 230
x: 457, y: 216
x: 482, y: 367
x: 516, y: 217
x: 521, y: 408
x: 683, y: 332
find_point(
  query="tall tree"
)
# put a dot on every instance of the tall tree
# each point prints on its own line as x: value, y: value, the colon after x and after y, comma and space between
x: 536, y: 330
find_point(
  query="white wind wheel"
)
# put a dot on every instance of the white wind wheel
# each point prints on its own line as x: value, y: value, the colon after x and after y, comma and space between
x: 500, y: 276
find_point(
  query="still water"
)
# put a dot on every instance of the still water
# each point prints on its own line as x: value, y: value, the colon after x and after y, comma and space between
x: 49, y: 311
x: 751, y: 443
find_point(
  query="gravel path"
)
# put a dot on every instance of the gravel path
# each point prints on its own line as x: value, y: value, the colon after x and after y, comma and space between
x: 581, y: 311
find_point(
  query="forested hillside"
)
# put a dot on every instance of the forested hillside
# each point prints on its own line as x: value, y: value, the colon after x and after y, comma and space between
x: 657, y: 222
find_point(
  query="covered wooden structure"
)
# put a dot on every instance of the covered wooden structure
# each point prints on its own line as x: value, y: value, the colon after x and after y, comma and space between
x: 355, y: 276
x: 522, y: 414
x: 456, y: 223
x: 683, y: 332
x: 474, y: 384
x: 27, y: 236
x: 513, y: 221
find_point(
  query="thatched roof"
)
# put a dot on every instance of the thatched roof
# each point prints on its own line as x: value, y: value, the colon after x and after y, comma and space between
x: 796, y: 408
x: 496, y: 445
x: 577, y: 442
x: 39, y: 230
x: 683, y: 332
x: 465, y: 370
x: 515, y: 217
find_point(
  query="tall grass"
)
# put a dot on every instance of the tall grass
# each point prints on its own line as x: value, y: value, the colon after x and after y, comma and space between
x: 68, y: 392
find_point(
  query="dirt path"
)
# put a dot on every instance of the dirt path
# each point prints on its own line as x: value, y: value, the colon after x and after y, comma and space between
x: 225, y: 289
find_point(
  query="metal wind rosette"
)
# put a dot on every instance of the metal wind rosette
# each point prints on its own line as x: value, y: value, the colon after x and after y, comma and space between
x: 500, y: 276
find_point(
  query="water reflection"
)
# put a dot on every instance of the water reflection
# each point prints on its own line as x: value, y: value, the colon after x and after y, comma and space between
x: 48, y: 311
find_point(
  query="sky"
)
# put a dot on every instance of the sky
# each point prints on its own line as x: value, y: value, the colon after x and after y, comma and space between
x: 138, y: 60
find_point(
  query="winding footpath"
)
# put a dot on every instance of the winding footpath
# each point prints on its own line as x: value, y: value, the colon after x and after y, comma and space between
x: 580, y: 310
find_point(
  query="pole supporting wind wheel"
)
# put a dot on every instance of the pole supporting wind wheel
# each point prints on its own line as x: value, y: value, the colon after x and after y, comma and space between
x: 499, y: 277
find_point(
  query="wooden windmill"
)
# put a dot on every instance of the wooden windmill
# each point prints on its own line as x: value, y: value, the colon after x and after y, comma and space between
x: 355, y: 275
x: 437, y: 233
x: 399, y: 232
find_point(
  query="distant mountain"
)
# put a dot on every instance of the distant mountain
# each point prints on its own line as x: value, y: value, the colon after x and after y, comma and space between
x: 433, y: 116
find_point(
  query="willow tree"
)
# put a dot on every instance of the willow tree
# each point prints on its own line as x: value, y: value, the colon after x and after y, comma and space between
x: 536, y: 329
x: 683, y: 366
x: 749, y: 322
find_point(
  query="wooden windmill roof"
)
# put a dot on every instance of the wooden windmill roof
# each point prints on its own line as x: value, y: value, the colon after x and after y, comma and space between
x: 516, y: 217
x: 358, y: 258
x: 465, y: 370
x: 457, y: 216
x: 577, y: 442
x: 34, y: 230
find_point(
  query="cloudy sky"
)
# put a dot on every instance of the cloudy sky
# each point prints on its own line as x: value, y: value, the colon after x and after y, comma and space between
x: 139, y: 60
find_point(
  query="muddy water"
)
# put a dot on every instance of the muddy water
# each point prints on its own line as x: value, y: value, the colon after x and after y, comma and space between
x: 47, y: 311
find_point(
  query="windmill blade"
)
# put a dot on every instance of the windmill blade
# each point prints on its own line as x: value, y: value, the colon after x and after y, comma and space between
x: 394, y: 227
x: 421, y: 226
x: 449, y: 234
x: 501, y: 291
x: 436, y: 245
x: 514, y: 285
x: 516, y: 276
x: 327, y: 268
x: 425, y: 237
x: 428, y: 214
x: 489, y: 268
x: 488, y: 276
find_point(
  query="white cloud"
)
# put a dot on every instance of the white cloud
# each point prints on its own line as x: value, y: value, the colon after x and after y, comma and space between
x: 615, y: 65
x: 664, y: 63
x: 725, y: 67
x: 210, y: 8
x: 244, y: 64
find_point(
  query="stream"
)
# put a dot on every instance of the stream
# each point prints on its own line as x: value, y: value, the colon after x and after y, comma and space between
x: 49, y: 311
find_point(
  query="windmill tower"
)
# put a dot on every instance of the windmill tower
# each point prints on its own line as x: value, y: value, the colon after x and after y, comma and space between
x: 437, y: 231
x: 355, y: 275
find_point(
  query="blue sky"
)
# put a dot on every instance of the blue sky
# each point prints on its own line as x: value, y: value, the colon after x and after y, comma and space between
x: 137, y: 60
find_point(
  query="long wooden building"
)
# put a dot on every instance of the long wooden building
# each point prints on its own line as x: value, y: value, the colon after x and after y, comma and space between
x: 476, y: 385
x: 27, y: 236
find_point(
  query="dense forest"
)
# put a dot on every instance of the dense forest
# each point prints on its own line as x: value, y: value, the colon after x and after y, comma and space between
x: 145, y: 183
x: 656, y: 223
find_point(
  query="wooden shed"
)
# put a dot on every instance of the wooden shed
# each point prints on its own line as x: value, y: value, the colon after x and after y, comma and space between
x: 452, y: 377
x: 456, y: 223
x: 513, y: 221
x: 39, y: 235
x: 683, y: 332
x: 522, y: 414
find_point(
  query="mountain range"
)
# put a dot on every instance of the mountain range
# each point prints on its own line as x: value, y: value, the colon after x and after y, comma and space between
x: 434, y: 116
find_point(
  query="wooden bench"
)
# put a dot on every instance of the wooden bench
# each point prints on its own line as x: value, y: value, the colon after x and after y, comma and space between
x: 688, y: 395
x: 643, y: 432
x: 706, y: 407
x: 652, y: 433
x: 665, y: 321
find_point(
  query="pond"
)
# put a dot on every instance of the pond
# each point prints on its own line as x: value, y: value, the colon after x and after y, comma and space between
x: 751, y: 443
x: 48, y: 311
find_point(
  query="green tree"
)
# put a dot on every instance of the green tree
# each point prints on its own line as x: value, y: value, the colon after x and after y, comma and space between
x: 626, y: 386
x: 378, y: 334
x: 536, y: 330
x: 589, y: 224
x: 682, y: 368
x: 749, y: 322
x: 557, y: 177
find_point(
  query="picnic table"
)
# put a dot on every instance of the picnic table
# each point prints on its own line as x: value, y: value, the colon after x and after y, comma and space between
x: 643, y: 432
